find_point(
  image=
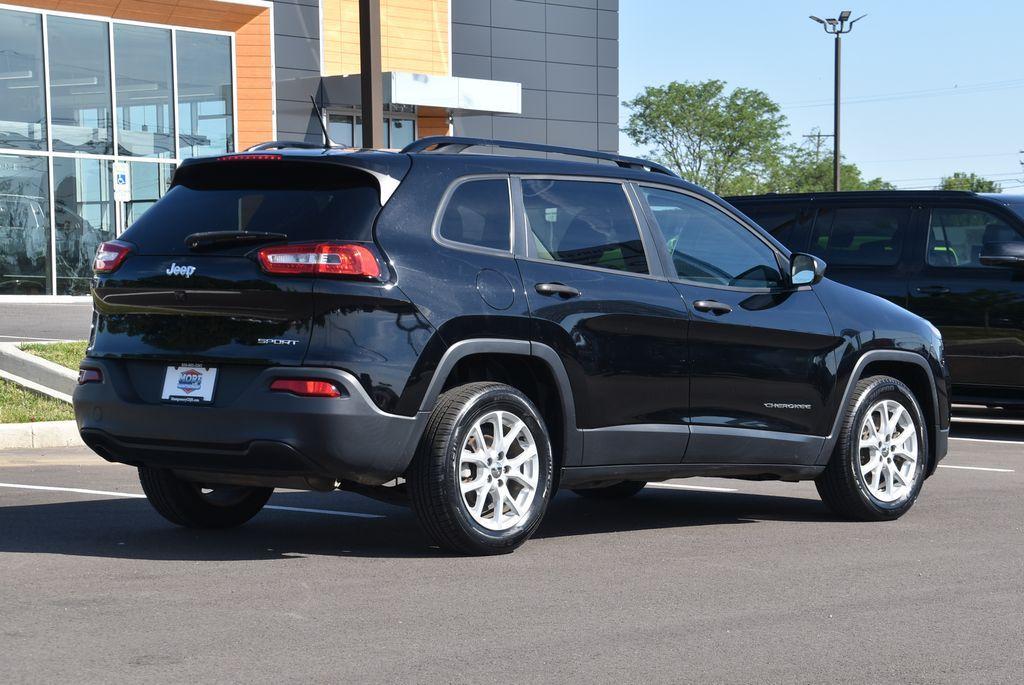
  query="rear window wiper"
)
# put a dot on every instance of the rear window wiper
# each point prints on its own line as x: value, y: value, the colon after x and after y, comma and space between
x: 201, y: 241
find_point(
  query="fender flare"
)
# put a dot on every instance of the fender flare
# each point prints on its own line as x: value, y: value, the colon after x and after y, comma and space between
x: 900, y: 356
x: 572, y: 437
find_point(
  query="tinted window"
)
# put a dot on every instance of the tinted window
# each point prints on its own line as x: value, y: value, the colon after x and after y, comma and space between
x: 478, y: 214
x: 142, y: 59
x: 22, y: 103
x: 205, y: 118
x: 582, y: 222
x: 860, y: 236
x: 302, y: 200
x: 784, y: 224
x: 80, y: 85
x: 708, y: 246
x: 956, y: 237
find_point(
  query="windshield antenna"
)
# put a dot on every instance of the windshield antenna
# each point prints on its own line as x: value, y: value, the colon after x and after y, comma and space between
x: 328, y: 143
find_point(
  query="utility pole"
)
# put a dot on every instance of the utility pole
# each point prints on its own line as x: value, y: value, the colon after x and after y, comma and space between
x: 837, y: 27
x: 370, y: 73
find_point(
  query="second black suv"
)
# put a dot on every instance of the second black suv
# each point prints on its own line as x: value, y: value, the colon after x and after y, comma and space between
x: 955, y: 258
x: 474, y: 331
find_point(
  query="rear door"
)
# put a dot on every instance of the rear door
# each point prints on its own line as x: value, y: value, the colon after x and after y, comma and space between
x: 866, y: 246
x: 759, y: 349
x: 979, y: 309
x: 170, y: 301
x: 597, y: 297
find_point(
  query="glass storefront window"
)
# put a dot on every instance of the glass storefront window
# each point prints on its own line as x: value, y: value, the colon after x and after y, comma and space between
x: 22, y: 97
x: 401, y: 132
x: 205, y: 104
x: 65, y: 83
x: 339, y: 127
x: 347, y: 130
x: 80, y: 85
x: 24, y: 226
x: 83, y: 212
x: 149, y: 182
x: 142, y: 62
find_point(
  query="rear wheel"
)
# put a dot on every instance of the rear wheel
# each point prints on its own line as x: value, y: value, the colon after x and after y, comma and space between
x: 482, y: 476
x: 193, y: 505
x: 878, y: 465
x: 621, y: 490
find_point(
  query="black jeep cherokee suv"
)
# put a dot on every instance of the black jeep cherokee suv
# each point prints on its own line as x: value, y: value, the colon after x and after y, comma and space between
x: 474, y: 331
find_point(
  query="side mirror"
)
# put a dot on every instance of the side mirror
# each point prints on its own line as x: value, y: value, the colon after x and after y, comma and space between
x: 805, y: 269
x: 1003, y: 254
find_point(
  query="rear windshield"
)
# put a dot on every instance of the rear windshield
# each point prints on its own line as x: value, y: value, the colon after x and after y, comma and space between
x: 303, y: 200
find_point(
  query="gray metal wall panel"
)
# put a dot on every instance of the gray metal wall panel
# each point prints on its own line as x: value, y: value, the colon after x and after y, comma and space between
x: 517, y: 44
x: 573, y: 21
x: 517, y: 14
x: 297, y: 67
x: 571, y: 49
x: 563, y: 52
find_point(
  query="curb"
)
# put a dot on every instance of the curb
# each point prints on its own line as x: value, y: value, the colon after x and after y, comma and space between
x: 36, y: 369
x: 15, y: 436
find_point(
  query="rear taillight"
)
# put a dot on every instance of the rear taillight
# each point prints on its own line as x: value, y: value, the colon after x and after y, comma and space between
x: 86, y: 375
x: 322, y: 258
x: 110, y: 255
x: 306, y: 387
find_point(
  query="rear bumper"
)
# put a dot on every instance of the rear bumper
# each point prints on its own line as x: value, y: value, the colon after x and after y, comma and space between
x: 252, y: 432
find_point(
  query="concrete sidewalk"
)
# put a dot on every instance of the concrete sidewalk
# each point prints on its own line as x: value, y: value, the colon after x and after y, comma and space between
x: 36, y: 321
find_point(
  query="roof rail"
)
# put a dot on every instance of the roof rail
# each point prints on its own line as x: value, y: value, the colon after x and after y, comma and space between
x: 457, y: 144
x: 284, y: 144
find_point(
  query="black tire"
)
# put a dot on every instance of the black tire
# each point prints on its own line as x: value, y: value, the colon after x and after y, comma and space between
x: 433, y: 478
x: 621, y: 490
x: 842, y: 486
x: 186, y: 504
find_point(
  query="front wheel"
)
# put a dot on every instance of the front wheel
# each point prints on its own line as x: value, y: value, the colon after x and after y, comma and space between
x: 193, y: 505
x: 879, y: 462
x: 482, y: 477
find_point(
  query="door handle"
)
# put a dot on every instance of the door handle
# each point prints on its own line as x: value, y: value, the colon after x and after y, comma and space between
x: 932, y: 290
x: 713, y: 306
x: 559, y: 289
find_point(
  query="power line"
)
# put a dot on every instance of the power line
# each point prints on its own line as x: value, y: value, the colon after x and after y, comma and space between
x: 913, y: 94
x: 929, y: 159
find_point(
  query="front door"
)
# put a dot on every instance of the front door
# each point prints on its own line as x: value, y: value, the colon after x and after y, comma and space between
x: 759, y: 349
x: 597, y: 298
x: 978, y: 309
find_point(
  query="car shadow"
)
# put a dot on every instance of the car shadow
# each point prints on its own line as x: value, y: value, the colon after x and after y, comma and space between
x: 130, y: 529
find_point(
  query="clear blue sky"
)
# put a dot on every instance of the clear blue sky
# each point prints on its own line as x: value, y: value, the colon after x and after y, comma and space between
x: 929, y: 88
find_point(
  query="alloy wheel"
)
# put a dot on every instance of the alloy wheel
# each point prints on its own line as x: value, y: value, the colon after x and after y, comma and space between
x: 888, y: 451
x: 498, y: 469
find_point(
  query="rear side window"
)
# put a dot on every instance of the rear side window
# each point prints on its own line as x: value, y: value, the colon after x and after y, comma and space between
x: 305, y: 201
x: 860, y: 236
x: 478, y: 214
x: 583, y: 222
x: 957, y: 236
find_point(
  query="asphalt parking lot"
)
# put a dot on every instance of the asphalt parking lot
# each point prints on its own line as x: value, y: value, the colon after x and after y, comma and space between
x: 708, y: 580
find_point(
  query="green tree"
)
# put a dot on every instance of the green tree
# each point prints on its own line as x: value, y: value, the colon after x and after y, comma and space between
x: 808, y: 169
x: 961, y: 180
x: 729, y: 143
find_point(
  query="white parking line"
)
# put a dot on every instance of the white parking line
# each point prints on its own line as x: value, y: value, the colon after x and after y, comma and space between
x: 975, y: 468
x: 704, y: 488
x: 998, y: 422
x: 1002, y: 442
x: 107, y: 493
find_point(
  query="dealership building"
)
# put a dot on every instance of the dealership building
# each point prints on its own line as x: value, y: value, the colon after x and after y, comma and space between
x: 101, y: 99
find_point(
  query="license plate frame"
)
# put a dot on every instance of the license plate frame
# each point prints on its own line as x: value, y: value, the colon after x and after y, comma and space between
x: 189, y: 384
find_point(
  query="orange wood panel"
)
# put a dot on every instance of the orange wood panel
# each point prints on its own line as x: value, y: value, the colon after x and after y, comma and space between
x: 414, y: 36
x: 432, y: 121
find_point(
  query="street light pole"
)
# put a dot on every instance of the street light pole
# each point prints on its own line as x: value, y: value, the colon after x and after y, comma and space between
x: 837, y: 27
x: 370, y: 74
x: 836, y: 159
